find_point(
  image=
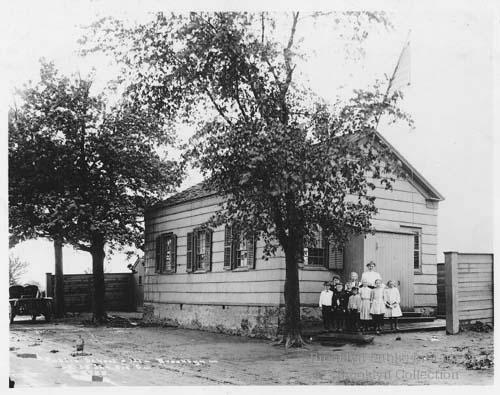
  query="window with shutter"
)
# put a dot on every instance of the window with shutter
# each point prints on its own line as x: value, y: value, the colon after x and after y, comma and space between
x: 165, y: 253
x: 189, y: 252
x: 200, y: 250
x: 239, y: 251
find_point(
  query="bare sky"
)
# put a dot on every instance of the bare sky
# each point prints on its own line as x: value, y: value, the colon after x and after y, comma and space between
x: 451, y: 98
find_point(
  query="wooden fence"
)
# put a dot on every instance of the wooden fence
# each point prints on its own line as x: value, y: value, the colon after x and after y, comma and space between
x: 468, y: 289
x: 441, y: 291
x: 78, y: 288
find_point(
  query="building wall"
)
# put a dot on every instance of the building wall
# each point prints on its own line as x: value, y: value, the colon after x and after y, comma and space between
x: 264, y: 285
x: 403, y: 206
x: 261, y: 286
x: 406, y: 206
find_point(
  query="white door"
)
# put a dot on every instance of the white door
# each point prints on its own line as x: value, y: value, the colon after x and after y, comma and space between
x: 393, y: 255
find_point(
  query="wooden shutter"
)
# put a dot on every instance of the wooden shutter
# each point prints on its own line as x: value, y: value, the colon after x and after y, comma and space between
x: 189, y: 252
x: 158, y: 255
x: 326, y: 251
x: 207, y: 264
x: 336, y: 259
x: 251, y: 251
x: 173, y: 253
x: 228, y: 244
x: 196, y: 249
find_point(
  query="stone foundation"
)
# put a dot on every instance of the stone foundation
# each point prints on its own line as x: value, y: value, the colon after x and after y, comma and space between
x: 252, y: 321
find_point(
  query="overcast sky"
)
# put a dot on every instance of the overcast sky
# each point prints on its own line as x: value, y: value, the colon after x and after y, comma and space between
x: 450, y: 98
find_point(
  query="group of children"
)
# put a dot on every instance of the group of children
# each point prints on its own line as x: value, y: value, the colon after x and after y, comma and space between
x: 359, y: 305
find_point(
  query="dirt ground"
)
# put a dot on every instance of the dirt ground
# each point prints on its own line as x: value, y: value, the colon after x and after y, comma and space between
x: 41, y: 355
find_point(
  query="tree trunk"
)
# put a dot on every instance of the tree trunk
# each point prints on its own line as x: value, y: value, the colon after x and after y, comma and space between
x: 292, y: 334
x: 59, y: 279
x: 97, y: 251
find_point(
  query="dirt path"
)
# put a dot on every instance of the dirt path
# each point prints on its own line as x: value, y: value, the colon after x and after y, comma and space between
x: 168, y: 356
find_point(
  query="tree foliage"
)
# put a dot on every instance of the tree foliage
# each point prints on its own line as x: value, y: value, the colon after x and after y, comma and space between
x: 83, y: 170
x: 287, y: 162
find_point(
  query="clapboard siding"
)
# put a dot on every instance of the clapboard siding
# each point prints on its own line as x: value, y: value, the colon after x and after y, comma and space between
x: 475, y: 287
x: 403, y: 206
x: 261, y: 285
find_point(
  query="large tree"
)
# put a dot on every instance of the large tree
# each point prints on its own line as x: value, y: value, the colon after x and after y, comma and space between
x: 288, y: 163
x: 82, y: 170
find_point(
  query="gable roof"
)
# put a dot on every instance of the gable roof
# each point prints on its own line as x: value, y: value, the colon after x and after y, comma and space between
x: 414, y: 177
x: 199, y: 191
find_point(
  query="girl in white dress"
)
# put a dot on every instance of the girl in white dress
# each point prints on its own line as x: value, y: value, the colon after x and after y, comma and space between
x: 392, y: 300
x: 377, y: 309
x: 364, y: 311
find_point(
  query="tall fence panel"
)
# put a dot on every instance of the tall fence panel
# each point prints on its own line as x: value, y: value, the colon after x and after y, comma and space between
x: 119, y: 291
x: 468, y: 289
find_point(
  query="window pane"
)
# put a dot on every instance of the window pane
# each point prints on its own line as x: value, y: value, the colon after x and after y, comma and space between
x: 168, y: 247
x: 241, y: 253
x: 416, y: 241
x: 201, y: 243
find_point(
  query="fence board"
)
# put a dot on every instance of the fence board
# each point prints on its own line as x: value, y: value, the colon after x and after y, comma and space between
x: 119, y: 292
x: 468, y: 282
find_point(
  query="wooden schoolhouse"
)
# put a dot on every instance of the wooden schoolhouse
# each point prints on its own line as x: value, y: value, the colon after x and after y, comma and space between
x: 199, y: 277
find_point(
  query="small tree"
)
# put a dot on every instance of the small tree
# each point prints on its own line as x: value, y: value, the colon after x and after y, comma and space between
x: 17, y: 268
x: 82, y: 170
x: 287, y: 163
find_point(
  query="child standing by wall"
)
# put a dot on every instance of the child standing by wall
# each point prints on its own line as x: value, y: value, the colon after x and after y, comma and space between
x: 353, y: 280
x: 353, y: 308
x: 392, y: 299
x: 339, y: 307
x: 377, y: 309
x: 364, y: 311
x: 325, y: 304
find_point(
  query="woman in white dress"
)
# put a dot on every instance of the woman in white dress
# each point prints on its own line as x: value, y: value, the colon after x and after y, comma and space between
x: 370, y: 275
x: 377, y: 309
x: 392, y: 299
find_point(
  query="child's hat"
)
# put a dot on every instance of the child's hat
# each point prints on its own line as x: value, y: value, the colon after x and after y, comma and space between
x: 371, y: 263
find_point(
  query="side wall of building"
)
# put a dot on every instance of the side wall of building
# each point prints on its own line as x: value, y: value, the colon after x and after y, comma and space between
x: 234, y: 301
x: 190, y: 298
x: 403, y: 206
